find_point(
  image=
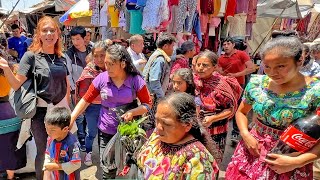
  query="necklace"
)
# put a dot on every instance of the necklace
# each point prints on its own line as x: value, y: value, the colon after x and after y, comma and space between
x: 52, y: 60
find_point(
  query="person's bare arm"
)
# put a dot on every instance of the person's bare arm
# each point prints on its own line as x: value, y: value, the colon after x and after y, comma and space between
x: 15, y: 81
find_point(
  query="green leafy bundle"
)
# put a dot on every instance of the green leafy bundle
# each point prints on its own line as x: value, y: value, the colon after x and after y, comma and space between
x: 131, y: 128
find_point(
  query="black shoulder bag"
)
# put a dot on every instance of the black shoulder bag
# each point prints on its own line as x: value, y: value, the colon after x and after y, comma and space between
x: 24, y: 100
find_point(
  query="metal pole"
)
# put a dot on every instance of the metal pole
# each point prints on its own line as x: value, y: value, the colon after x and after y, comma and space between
x: 9, y: 13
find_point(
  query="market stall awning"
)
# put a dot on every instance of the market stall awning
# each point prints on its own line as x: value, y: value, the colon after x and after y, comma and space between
x: 4, y: 11
x: 64, y: 5
x: 294, y: 9
x: 79, y: 10
x: 38, y: 7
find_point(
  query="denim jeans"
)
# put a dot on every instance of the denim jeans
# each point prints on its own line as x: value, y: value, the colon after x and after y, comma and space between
x: 79, y: 121
x: 92, y: 115
x: 81, y: 129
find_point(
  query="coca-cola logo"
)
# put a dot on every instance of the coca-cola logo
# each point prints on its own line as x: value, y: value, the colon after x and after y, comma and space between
x: 303, y: 141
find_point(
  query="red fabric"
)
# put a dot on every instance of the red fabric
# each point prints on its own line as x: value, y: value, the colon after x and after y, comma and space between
x: 234, y: 64
x: 218, y: 92
x: 178, y: 64
x: 206, y: 6
x: 173, y: 2
x: 231, y: 8
x: 88, y: 74
x: 91, y: 94
x: 144, y: 96
x: 252, y: 11
x: 57, y: 149
x: 84, y: 86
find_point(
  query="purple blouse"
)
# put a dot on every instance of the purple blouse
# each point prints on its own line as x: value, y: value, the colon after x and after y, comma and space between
x: 112, y: 96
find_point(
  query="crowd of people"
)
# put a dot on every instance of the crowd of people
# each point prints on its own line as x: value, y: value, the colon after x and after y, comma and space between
x: 190, y: 99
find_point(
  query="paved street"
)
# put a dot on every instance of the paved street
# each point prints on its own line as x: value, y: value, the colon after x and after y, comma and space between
x: 94, y: 173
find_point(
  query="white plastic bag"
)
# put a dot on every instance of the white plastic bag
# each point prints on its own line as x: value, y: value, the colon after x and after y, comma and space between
x: 31, y: 152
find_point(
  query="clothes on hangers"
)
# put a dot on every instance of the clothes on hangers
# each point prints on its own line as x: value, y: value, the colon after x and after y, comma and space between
x: 231, y: 8
x: 151, y: 15
x: 104, y: 15
x: 252, y: 11
x: 242, y: 6
x: 237, y: 25
x: 136, y: 22
x: 95, y: 12
x: 114, y: 16
x: 187, y: 8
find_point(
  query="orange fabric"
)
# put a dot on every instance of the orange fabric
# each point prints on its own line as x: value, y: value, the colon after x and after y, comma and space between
x: 5, y: 86
x: 217, y: 6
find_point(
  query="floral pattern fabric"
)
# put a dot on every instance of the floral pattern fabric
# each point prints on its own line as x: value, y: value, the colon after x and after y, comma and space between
x: 192, y: 161
x: 279, y: 110
x: 275, y: 111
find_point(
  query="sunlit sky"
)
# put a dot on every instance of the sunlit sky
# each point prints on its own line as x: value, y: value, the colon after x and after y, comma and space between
x: 8, y: 4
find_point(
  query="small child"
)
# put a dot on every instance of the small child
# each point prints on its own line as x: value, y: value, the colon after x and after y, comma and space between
x: 182, y: 81
x: 62, y: 158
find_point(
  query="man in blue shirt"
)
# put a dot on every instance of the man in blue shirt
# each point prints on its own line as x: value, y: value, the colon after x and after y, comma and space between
x: 16, y: 42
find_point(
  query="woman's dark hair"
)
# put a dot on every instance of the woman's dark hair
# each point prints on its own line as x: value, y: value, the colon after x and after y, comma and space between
x: 119, y: 53
x: 210, y: 55
x: 184, y: 108
x: 185, y: 47
x: 306, y: 49
x: 58, y: 116
x: 186, y: 75
x: 288, y: 47
x: 287, y: 33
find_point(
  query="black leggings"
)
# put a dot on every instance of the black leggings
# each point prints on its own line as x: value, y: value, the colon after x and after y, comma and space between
x: 103, y: 140
x: 40, y: 137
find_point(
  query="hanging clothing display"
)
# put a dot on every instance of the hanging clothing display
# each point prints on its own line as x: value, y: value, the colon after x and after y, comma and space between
x: 217, y: 7
x: 223, y: 6
x: 302, y: 25
x: 128, y: 22
x: 204, y: 19
x: 231, y: 8
x: 252, y: 11
x: 187, y: 8
x: 242, y: 6
x: 206, y: 6
x: 151, y: 15
x: 141, y: 3
x: 104, y: 15
x: 94, y: 4
x: 136, y: 22
x: 164, y: 15
x: 314, y: 30
x: 197, y: 27
x: 122, y: 20
x: 237, y: 25
x: 172, y: 27
x: 114, y: 16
